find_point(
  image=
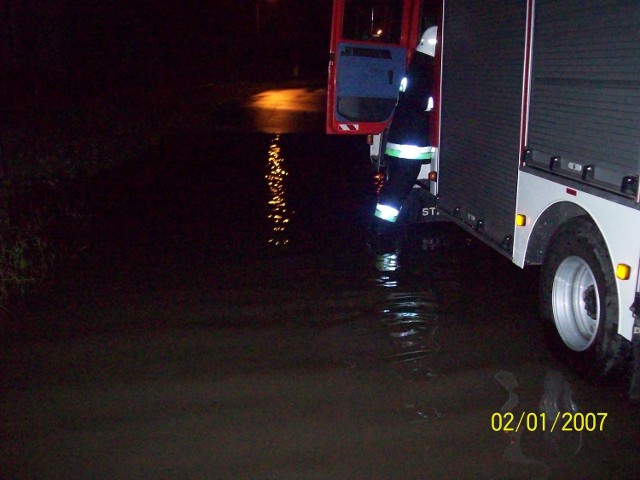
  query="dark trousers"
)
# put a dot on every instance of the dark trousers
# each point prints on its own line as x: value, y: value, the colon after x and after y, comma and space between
x: 401, y: 176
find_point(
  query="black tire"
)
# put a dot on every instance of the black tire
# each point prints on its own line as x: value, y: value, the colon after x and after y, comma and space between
x: 579, y: 303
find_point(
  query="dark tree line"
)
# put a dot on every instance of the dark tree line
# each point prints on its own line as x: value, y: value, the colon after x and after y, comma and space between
x: 52, y: 48
x: 77, y: 46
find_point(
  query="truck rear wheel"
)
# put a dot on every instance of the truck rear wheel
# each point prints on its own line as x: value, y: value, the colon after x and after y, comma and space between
x: 579, y: 302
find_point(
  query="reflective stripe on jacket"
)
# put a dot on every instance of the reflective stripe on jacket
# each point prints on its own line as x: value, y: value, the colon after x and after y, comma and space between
x: 386, y: 212
x: 410, y: 152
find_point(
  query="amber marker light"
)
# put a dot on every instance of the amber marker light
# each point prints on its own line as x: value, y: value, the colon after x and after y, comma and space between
x: 369, y: 139
x: 521, y: 220
x: 433, y: 176
x: 623, y: 272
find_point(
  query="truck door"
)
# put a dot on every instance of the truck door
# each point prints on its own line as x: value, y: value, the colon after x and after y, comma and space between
x: 367, y: 60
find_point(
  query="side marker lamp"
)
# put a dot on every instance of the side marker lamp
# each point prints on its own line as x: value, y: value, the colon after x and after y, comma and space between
x: 623, y: 271
x: 521, y: 220
x: 432, y: 176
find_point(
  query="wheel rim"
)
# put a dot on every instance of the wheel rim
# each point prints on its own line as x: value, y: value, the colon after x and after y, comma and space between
x: 576, y: 304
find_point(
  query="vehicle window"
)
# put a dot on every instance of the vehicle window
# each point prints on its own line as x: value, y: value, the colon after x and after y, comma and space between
x: 373, y: 20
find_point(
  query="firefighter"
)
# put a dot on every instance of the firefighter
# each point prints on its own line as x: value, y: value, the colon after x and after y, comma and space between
x: 407, y: 141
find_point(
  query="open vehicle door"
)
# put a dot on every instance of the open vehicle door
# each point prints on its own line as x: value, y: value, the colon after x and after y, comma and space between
x: 367, y: 60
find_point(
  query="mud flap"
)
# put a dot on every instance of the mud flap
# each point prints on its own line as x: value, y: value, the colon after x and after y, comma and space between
x: 420, y: 207
x: 376, y: 151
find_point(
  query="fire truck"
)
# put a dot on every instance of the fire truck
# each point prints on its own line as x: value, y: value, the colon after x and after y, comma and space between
x: 537, y: 132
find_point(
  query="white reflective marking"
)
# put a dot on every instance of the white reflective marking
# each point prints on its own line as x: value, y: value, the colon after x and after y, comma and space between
x: 387, y: 212
x: 429, y: 105
x: 410, y: 151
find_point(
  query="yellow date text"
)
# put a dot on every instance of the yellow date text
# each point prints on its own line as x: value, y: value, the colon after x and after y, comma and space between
x: 561, y: 421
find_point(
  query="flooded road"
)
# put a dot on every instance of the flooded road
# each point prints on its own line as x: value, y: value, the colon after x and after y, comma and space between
x: 232, y: 325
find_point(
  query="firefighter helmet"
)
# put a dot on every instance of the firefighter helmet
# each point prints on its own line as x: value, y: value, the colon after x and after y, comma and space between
x: 428, y: 41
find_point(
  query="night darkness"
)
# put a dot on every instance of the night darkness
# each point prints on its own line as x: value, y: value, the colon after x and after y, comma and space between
x: 60, y: 47
x: 88, y: 88
x: 190, y: 287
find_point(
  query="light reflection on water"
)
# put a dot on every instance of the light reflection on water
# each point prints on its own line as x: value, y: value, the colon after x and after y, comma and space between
x: 279, y: 216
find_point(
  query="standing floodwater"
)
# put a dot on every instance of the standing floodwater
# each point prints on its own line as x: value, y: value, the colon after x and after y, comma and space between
x: 232, y: 324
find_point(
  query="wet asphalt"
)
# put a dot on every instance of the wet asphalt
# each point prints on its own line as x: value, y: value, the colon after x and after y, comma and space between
x: 230, y: 323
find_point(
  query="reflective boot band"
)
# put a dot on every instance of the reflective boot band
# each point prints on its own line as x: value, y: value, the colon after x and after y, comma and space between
x: 385, y: 212
x: 410, y: 152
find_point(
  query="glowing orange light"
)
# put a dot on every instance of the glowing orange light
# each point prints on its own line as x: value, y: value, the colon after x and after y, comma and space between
x: 291, y: 99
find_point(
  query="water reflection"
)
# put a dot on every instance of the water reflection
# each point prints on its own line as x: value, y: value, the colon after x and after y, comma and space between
x: 387, y: 262
x: 556, y: 401
x: 513, y: 452
x: 414, y: 316
x: 278, y: 213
